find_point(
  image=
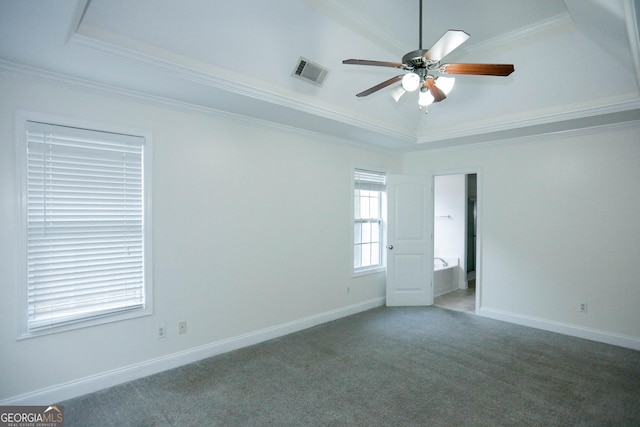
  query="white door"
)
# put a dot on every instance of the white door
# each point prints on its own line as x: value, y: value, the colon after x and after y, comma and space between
x: 409, y: 240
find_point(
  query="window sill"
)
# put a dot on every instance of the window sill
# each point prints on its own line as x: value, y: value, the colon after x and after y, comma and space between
x: 85, y: 323
x: 369, y: 271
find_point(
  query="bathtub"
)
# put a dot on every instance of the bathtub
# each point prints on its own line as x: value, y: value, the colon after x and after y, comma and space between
x: 445, y: 278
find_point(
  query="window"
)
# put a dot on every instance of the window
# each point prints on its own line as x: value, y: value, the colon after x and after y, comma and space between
x: 369, y: 203
x: 85, y: 227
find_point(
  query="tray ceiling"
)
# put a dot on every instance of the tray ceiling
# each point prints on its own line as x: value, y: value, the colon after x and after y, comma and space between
x: 576, y: 61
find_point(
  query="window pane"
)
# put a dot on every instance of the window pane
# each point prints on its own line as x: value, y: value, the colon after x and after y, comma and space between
x: 364, y: 205
x: 357, y: 233
x: 375, y: 254
x: 366, y: 232
x: 375, y: 232
x: 366, y: 255
x: 374, y: 205
x: 357, y: 256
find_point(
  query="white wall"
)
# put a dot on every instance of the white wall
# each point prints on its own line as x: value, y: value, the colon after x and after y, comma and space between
x: 449, y: 224
x: 559, y: 220
x: 252, y: 231
x: 558, y: 225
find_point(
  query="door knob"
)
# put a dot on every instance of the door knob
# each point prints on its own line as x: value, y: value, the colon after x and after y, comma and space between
x: 390, y: 247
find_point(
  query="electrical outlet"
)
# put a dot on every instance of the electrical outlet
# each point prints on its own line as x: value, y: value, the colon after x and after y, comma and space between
x: 162, y: 330
x: 182, y: 327
x: 583, y: 307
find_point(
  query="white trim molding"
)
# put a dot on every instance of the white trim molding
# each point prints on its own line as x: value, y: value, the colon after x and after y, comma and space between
x: 562, y: 328
x: 211, y: 76
x: 75, y: 83
x: 114, y: 377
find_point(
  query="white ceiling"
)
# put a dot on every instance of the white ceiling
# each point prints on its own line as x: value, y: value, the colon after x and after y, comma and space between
x: 576, y: 61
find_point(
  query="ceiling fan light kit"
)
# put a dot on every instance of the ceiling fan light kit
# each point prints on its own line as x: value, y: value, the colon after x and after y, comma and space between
x: 446, y: 84
x: 425, y: 98
x: 411, y: 82
x: 423, y: 69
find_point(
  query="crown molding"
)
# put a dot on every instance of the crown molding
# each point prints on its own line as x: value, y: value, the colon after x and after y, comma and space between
x: 207, y: 75
x: 76, y: 83
x: 186, y: 69
x: 578, y: 111
x: 106, y: 44
x: 537, y: 137
x: 541, y: 117
x: 72, y: 82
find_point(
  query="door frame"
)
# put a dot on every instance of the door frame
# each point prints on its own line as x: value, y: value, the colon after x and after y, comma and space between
x: 479, y: 203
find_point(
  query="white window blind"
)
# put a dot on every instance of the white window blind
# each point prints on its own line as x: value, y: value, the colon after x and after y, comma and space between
x: 85, y: 224
x: 370, y: 180
x: 369, y: 188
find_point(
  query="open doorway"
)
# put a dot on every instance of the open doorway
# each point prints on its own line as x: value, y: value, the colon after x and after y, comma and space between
x: 455, y: 241
x: 472, y: 226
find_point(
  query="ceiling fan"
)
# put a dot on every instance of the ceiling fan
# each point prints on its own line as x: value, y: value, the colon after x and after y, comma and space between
x: 424, y: 71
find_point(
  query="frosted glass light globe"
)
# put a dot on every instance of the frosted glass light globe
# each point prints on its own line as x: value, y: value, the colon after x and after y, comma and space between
x: 445, y: 84
x: 410, y: 82
x: 425, y: 98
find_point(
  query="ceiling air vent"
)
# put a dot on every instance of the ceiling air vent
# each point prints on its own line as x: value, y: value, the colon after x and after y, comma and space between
x: 310, y: 72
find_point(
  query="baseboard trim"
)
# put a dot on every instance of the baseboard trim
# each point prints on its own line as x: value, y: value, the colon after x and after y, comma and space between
x: 562, y: 328
x: 441, y: 291
x: 114, y: 377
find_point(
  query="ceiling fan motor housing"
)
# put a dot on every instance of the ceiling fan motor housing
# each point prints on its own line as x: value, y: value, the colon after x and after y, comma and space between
x: 415, y: 59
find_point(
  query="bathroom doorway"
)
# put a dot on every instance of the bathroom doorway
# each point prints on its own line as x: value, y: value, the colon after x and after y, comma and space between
x: 455, y: 234
x: 472, y: 225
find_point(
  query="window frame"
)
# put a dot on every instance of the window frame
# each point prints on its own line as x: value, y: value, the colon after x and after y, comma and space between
x: 21, y: 123
x: 382, y: 265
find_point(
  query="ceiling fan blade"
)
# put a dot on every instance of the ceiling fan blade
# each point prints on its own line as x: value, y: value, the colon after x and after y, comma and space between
x: 397, y: 92
x: 374, y: 63
x: 478, y: 69
x: 438, y: 95
x: 379, y: 86
x: 447, y: 43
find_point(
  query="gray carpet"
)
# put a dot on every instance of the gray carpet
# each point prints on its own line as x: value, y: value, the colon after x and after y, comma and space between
x: 387, y: 367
